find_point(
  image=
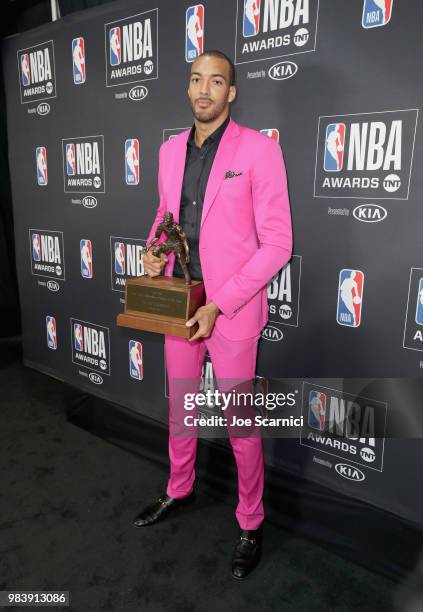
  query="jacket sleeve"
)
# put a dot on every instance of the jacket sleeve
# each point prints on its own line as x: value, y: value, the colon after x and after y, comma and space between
x: 274, y: 231
x: 162, y: 202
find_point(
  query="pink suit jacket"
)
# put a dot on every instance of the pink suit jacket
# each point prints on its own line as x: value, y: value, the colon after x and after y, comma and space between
x: 246, y: 231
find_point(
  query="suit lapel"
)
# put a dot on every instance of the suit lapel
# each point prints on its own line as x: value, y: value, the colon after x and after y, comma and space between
x: 221, y: 163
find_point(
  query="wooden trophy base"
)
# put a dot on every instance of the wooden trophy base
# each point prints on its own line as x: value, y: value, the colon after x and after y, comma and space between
x: 162, y: 304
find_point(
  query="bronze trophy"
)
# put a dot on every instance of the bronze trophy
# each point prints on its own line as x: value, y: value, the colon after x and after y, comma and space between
x: 163, y: 304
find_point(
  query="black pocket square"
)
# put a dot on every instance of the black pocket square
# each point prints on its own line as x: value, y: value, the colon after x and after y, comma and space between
x: 231, y: 174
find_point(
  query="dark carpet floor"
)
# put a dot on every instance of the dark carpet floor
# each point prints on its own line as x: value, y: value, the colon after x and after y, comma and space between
x: 67, y: 501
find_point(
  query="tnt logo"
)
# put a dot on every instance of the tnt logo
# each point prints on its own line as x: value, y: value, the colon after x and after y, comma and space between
x: 350, y: 298
x: 51, y: 333
x: 272, y: 133
x: 70, y: 159
x: 114, y: 45
x: 86, y: 258
x: 36, y: 249
x: 251, y: 17
x: 120, y: 266
x: 194, y: 32
x: 334, y: 147
x: 78, y: 337
x: 37, y: 78
x: 376, y: 13
x: 419, y: 306
x: 135, y: 360
x: 132, y: 161
x: 41, y: 161
x: 317, y: 410
x: 78, y: 58
x: 25, y: 73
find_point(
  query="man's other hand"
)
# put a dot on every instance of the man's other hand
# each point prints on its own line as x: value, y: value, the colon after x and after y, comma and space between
x: 154, y: 265
x: 205, y: 317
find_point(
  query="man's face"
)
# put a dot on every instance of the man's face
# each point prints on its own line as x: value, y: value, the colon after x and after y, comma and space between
x: 209, y: 91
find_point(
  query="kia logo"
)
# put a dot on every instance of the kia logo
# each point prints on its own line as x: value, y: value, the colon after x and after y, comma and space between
x: 53, y: 285
x: 139, y: 92
x: 349, y: 472
x: 272, y: 333
x: 370, y: 213
x: 95, y: 378
x: 282, y: 71
x: 89, y: 202
x: 43, y: 108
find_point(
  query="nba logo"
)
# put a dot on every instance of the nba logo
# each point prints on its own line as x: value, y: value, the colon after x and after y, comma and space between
x: 135, y: 360
x: 251, y: 17
x: 194, y: 32
x: 350, y: 298
x: 419, y: 308
x: 376, y: 13
x: 132, y: 161
x: 77, y: 336
x: 317, y: 410
x: 86, y: 259
x: 78, y: 58
x: 114, y: 44
x: 334, y: 147
x: 26, y: 77
x: 41, y: 158
x: 70, y: 159
x: 51, y: 333
x: 119, y: 258
x: 36, y: 247
x: 272, y: 133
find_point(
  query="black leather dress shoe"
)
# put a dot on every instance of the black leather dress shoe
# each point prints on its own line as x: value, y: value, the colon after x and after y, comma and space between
x: 247, y: 552
x: 160, y: 508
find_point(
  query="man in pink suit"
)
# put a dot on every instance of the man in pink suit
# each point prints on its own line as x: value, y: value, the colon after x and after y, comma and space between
x: 226, y: 186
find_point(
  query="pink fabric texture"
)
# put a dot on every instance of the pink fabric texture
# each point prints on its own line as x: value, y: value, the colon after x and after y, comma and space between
x: 231, y: 360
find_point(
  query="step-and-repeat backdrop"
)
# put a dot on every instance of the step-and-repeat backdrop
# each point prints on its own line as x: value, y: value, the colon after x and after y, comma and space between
x: 90, y: 98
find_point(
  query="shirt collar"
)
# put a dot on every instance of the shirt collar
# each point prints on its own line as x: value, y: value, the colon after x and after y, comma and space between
x: 214, y: 136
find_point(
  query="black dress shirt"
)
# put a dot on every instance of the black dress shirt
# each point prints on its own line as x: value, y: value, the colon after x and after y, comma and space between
x: 198, y: 164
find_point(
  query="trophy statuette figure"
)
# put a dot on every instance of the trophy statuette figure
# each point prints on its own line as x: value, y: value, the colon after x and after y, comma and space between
x: 163, y: 304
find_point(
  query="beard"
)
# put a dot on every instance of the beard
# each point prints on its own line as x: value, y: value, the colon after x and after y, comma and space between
x: 207, y: 115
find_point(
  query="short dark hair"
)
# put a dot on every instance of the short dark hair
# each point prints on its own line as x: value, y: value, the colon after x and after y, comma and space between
x: 221, y: 55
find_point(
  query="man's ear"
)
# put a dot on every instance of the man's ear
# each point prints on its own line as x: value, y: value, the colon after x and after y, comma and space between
x: 232, y: 93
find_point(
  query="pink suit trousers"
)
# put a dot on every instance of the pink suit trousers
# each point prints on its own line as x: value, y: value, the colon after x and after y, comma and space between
x: 230, y: 359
